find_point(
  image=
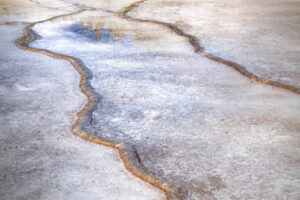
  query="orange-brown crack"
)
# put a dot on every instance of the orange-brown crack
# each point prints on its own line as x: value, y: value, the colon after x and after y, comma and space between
x: 13, y: 23
x: 132, y: 6
x: 126, y: 152
x: 195, y: 43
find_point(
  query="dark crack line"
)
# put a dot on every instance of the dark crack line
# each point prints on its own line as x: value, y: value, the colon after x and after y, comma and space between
x: 195, y: 43
x: 132, y: 6
x: 14, y: 23
x: 127, y: 152
x: 198, y: 49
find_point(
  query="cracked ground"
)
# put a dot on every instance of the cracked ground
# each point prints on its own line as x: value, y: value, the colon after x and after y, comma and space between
x: 150, y: 99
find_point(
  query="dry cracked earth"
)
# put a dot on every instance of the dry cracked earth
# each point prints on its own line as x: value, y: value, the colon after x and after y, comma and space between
x: 150, y: 99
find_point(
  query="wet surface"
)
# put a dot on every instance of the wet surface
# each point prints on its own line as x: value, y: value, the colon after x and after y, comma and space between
x: 39, y: 157
x: 192, y: 122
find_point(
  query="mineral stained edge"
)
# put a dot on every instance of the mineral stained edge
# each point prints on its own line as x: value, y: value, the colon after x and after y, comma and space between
x: 39, y: 157
x: 39, y: 99
x: 198, y: 124
x: 263, y: 36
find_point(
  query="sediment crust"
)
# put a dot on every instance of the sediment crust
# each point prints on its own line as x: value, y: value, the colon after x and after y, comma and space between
x: 195, y: 43
x: 198, y: 49
x: 132, y: 6
x: 39, y: 4
x: 13, y: 23
x: 127, y: 152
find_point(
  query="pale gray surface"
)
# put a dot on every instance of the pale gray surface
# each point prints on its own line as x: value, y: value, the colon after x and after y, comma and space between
x: 39, y: 157
x: 32, y: 10
x: 197, y: 123
x: 262, y: 35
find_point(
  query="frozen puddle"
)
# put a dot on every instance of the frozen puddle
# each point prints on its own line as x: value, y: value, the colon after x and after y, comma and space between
x: 196, y: 123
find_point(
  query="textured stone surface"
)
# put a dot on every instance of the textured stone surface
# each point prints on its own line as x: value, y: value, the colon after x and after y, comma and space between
x: 199, y: 124
x: 39, y: 157
x: 32, y: 10
x: 263, y: 36
x: 195, y: 123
